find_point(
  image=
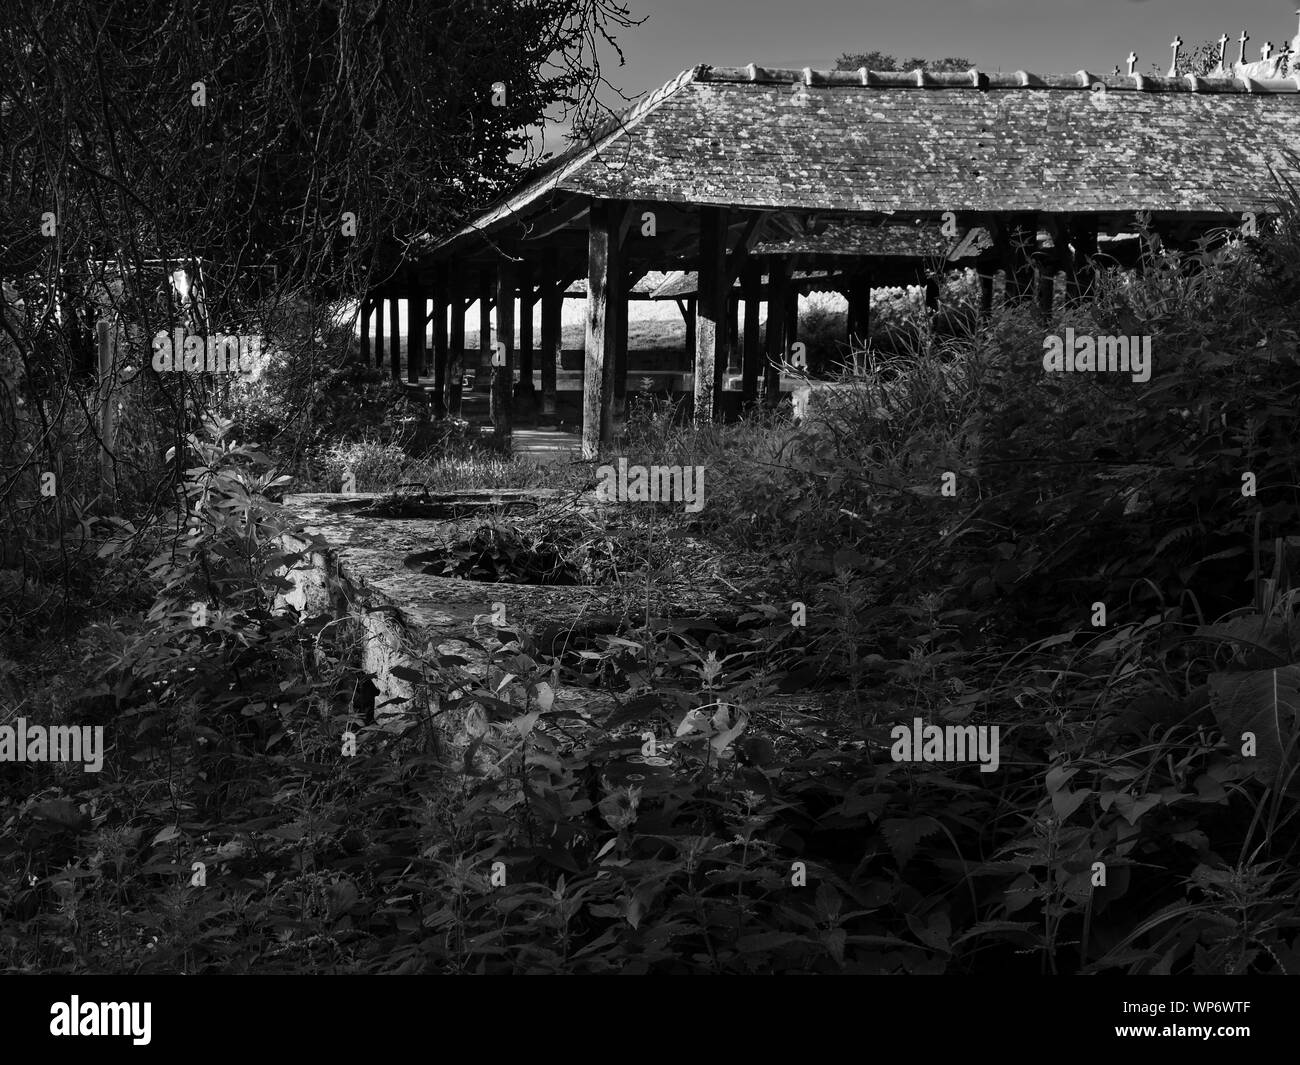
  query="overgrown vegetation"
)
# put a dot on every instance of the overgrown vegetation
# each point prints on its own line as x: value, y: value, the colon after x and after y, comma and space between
x: 716, y: 794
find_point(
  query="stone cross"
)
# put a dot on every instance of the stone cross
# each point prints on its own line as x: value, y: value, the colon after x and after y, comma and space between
x: 1132, y: 62
x: 1223, y: 50
x: 1243, y: 39
x: 1175, y: 44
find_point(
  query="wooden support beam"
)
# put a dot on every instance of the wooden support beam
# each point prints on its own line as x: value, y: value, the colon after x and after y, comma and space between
x: 1080, y: 271
x: 486, y: 279
x: 602, y: 265
x: 552, y: 317
x: 415, y: 324
x: 106, y: 337
x: 688, y: 357
x: 778, y: 301
x: 931, y: 293
x: 733, y: 332
x: 620, y: 285
x: 503, y: 357
x: 858, y: 326
x: 1020, y: 244
x: 379, y: 332
x: 527, y: 298
x: 365, y: 330
x: 455, y: 358
x: 711, y: 309
x: 556, y: 219
x: 441, y: 343
x: 986, y: 293
x: 754, y: 228
x: 395, y: 338
x: 751, y: 285
x: 728, y: 341
x: 1046, y: 285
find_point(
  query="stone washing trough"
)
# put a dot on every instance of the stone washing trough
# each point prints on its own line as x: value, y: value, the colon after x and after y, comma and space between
x: 356, y: 549
x: 355, y: 552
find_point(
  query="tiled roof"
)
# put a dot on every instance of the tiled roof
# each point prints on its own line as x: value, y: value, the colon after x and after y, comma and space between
x: 914, y: 141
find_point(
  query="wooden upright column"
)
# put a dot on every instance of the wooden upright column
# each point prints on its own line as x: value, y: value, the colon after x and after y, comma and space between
x: 778, y: 301
x: 733, y: 331
x: 552, y: 316
x: 1045, y: 281
x: 1021, y: 242
x: 1080, y: 272
x: 711, y: 311
x: 858, y: 326
x: 527, y: 297
x: 415, y: 324
x: 364, y: 314
x: 379, y: 331
x: 456, y: 355
x: 728, y: 344
x: 503, y: 369
x: 751, y: 287
x: 689, y: 360
x: 602, y: 265
x: 986, y: 293
x: 620, y: 287
x: 486, y: 279
x: 441, y: 345
x: 395, y: 338
x: 931, y: 293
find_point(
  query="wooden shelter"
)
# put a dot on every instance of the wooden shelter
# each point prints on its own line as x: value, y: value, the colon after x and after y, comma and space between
x: 732, y: 173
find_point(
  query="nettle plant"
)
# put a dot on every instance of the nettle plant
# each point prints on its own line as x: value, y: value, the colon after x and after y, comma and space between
x: 225, y: 555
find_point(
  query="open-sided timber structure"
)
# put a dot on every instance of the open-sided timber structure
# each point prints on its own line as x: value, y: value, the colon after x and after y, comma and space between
x: 732, y: 173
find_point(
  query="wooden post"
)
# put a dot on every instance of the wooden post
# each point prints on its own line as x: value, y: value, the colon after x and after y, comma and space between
x: 484, y: 368
x: 1045, y: 281
x: 415, y: 323
x: 688, y: 359
x: 792, y: 318
x: 456, y: 354
x: 932, y: 293
x: 552, y: 317
x: 503, y: 356
x: 729, y: 342
x: 620, y: 285
x: 1022, y: 238
x: 394, y: 338
x: 859, y: 317
x: 526, y: 388
x: 379, y: 331
x: 733, y: 332
x: 107, y: 413
x: 778, y: 300
x: 602, y: 265
x: 441, y: 346
x: 751, y: 286
x: 1080, y: 272
x: 710, y: 317
x: 364, y: 315
x: 986, y: 294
